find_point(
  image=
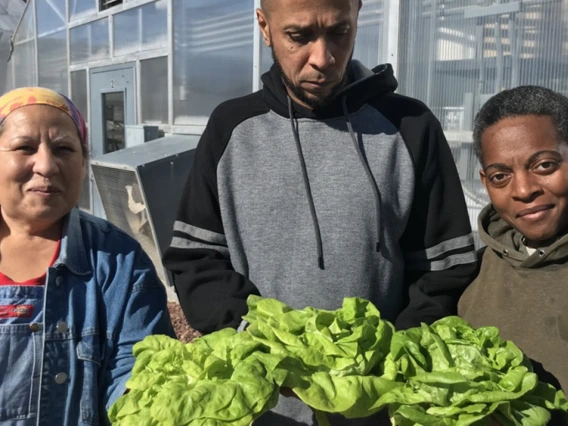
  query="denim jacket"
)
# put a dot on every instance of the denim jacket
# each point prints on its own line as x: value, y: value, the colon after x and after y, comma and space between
x: 101, y: 296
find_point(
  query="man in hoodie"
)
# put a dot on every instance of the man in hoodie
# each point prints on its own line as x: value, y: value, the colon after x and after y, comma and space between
x: 322, y: 185
x: 521, y: 140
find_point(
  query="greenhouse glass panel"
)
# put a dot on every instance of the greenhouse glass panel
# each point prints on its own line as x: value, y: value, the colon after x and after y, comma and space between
x: 456, y: 54
x: 90, y: 42
x: 154, y: 90
x: 141, y: 28
x: 9, y: 76
x: 79, y: 91
x: 26, y: 29
x: 265, y: 56
x: 213, y: 55
x: 52, y: 56
x: 369, y: 33
x: 80, y: 8
x: 79, y: 44
x: 80, y: 99
x: 24, y: 64
x: 51, y: 15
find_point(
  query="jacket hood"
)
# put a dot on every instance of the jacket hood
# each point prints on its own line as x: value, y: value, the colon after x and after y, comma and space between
x: 362, y: 84
x: 507, y: 242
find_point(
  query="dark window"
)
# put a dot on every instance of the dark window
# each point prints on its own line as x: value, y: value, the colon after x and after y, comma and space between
x: 107, y: 4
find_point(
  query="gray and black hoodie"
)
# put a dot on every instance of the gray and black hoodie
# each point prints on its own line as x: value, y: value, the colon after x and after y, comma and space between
x: 360, y: 198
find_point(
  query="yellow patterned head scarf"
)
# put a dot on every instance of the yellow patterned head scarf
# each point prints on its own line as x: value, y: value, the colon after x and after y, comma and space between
x: 26, y: 96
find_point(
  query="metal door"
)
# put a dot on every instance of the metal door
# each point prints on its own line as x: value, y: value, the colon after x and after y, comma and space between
x: 112, y: 108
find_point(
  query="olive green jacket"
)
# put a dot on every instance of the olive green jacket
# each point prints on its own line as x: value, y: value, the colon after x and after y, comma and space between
x: 526, y: 297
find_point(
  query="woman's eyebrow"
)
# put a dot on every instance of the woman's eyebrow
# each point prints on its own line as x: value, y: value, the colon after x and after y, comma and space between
x: 498, y: 166
x: 535, y: 156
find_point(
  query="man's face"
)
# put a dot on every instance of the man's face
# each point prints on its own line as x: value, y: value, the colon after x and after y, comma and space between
x: 312, y: 42
x: 525, y: 172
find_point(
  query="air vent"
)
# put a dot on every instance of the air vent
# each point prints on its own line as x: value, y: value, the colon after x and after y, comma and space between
x: 140, y: 188
x: 107, y: 4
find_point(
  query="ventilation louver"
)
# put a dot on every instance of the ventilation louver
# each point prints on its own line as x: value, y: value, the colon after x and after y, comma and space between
x: 140, y: 188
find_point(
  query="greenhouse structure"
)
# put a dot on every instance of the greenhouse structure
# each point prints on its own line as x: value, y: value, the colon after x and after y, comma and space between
x: 165, y: 64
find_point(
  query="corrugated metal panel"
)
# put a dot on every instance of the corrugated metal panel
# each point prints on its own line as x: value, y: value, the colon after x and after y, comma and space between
x: 455, y: 54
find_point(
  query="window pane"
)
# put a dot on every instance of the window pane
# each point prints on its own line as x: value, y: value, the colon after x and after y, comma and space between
x: 79, y: 8
x: 84, y: 202
x: 79, y: 91
x: 90, y: 42
x: 79, y: 43
x: 265, y: 57
x: 52, y: 55
x: 142, y: 28
x: 26, y: 30
x: 126, y: 32
x: 369, y: 33
x: 51, y: 15
x: 113, y: 112
x: 9, y: 76
x: 155, y: 25
x: 213, y: 51
x: 154, y: 90
x: 24, y: 64
x: 79, y: 98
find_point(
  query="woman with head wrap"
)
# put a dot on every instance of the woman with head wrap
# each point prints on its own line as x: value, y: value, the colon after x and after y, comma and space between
x: 75, y: 292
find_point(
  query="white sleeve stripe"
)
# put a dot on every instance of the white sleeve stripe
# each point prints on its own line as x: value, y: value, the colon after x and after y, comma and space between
x: 200, y: 233
x: 440, y: 249
x: 183, y: 243
x: 446, y: 263
x: 242, y: 326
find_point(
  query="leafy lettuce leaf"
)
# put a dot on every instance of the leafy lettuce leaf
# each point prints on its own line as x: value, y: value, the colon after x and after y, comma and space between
x: 333, y: 359
x: 453, y: 374
x: 220, y: 379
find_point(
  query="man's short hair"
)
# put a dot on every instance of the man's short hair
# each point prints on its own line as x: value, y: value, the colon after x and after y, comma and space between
x: 523, y: 100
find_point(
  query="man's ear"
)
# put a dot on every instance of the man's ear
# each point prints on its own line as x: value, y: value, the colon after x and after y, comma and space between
x: 264, y: 26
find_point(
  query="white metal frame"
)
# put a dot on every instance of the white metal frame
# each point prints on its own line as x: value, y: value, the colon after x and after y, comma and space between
x: 35, y: 43
x: 109, y: 12
x: 388, y: 51
x: 170, y: 62
x: 257, y: 51
x: 391, y: 22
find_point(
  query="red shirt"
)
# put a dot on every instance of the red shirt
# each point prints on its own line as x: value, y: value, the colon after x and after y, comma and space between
x: 5, y: 280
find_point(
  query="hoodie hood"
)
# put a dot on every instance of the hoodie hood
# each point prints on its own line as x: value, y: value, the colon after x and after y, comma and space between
x: 362, y: 84
x: 508, y: 243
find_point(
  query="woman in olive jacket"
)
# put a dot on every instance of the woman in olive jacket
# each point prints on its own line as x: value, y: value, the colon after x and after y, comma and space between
x: 521, y: 139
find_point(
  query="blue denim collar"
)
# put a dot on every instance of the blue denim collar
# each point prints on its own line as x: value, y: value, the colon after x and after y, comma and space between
x: 72, y: 253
